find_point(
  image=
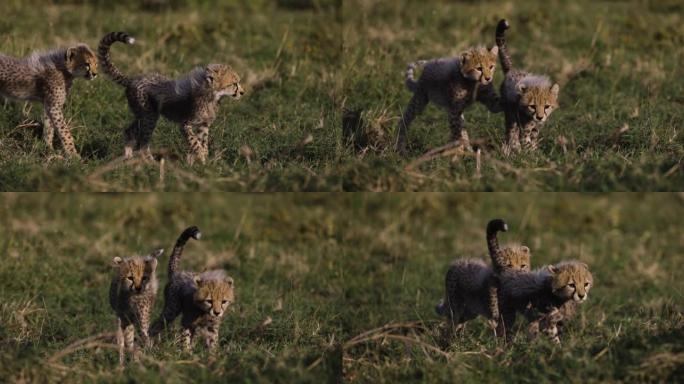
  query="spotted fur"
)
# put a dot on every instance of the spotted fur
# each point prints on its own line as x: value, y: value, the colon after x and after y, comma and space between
x: 527, y: 99
x: 201, y: 298
x: 131, y: 295
x: 191, y: 101
x: 453, y: 84
x: 46, y: 77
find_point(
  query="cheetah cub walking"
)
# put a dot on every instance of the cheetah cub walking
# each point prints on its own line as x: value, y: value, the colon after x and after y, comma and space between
x: 202, y: 298
x: 453, y: 84
x: 131, y: 295
x: 471, y: 286
x: 527, y: 99
x: 191, y: 101
x: 47, y: 78
x: 513, y: 258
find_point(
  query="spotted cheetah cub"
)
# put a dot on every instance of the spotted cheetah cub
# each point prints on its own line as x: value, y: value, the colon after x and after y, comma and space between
x: 47, y: 78
x: 453, y: 84
x: 471, y: 286
x: 527, y: 99
x: 131, y: 295
x: 554, y: 290
x: 202, y: 298
x: 191, y: 101
x: 516, y: 257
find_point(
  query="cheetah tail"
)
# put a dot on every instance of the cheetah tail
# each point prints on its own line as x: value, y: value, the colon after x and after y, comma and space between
x: 493, y: 227
x: 440, y: 308
x: 411, y: 82
x: 505, y: 58
x: 192, y: 232
x: 105, y: 60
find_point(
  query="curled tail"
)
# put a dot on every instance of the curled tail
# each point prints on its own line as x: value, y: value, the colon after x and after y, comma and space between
x: 504, y: 57
x: 493, y: 227
x: 411, y: 82
x: 105, y: 60
x: 192, y: 232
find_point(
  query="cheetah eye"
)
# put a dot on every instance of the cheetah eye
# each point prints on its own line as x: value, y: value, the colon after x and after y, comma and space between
x: 130, y: 278
x: 208, y: 301
x: 491, y: 67
x: 531, y: 107
x: 547, y: 107
x: 224, y: 302
x: 523, y: 266
x: 479, y: 68
x: 586, y: 285
x: 571, y: 285
x: 145, y: 278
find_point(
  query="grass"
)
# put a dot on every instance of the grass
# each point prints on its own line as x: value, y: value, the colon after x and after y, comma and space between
x: 617, y: 128
x: 326, y: 268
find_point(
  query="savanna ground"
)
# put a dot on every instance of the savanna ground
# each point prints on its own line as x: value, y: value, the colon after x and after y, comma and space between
x: 315, y: 273
x: 621, y: 108
x: 287, y: 53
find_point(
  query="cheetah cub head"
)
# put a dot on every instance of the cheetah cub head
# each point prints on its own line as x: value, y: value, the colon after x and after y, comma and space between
x: 538, y: 98
x: 214, y: 292
x: 478, y: 64
x: 571, y: 280
x: 224, y: 81
x: 137, y: 273
x: 81, y: 61
x: 516, y: 257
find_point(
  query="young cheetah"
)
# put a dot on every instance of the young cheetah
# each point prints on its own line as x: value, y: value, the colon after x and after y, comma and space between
x: 550, y: 291
x: 47, y: 78
x: 527, y: 99
x: 191, y: 101
x: 481, y: 297
x: 131, y: 295
x: 202, y: 298
x: 516, y: 257
x: 453, y: 84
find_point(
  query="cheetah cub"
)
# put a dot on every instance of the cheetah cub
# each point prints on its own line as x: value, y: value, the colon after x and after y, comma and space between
x: 191, y: 101
x: 131, y: 295
x: 453, y: 84
x: 202, y: 298
x: 554, y: 291
x: 47, y: 78
x: 527, y: 100
x: 471, y: 285
x: 515, y: 257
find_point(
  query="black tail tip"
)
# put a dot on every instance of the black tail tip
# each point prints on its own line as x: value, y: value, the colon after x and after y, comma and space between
x: 497, y: 225
x: 193, y: 232
x: 502, y: 26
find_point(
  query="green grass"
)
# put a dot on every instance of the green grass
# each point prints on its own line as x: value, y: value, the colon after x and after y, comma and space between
x: 618, y: 64
x: 328, y: 267
x: 618, y: 126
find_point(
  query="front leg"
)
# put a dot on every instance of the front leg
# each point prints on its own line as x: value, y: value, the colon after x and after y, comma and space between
x: 487, y: 95
x: 493, y: 305
x: 211, y: 335
x: 512, y: 135
x: 456, y: 121
x: 120, y: 341
x: 415, y: 107
x: 188, y: 338
x: 53, y: 108
x: 530, y: 136
x: 195, y: 141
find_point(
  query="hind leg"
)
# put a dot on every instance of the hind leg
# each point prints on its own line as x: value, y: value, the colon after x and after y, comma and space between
x: 53, y: 109
x: 48, y: 130
x: 415, y: 107
x: 120, y: 341
x: 137, y: 136
x: 169, y: 314
x: 456, y: 122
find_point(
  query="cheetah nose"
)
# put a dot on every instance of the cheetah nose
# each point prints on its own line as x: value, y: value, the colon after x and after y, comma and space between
x: 216, y: 313
x: 539, y: 118
x: 488, y: 79
x: 242, y: 92
x: 581, y: 297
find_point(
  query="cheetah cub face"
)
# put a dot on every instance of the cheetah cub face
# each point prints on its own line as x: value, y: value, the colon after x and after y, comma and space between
x: 224, y: 81
x: 478, y: 64
x: 571, y: 280
x: 517, y: 257
x: 538, y: 101
x: 137, y: 273
x: 214, y: 292
x: 81, y: 62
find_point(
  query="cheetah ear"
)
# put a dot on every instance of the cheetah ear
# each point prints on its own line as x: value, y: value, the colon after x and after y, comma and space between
x: 520, y: 87
x: 117, y: 261
x: 552, y: 269
x: 464, y: 57
x: 197, y: 279
x: 229, y: 281
x: 554, y: 89
x: 525, y: 249
x: 152, y: 262
x: 157, y: 253
x: 70, y: 54
x: 495, y: 50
